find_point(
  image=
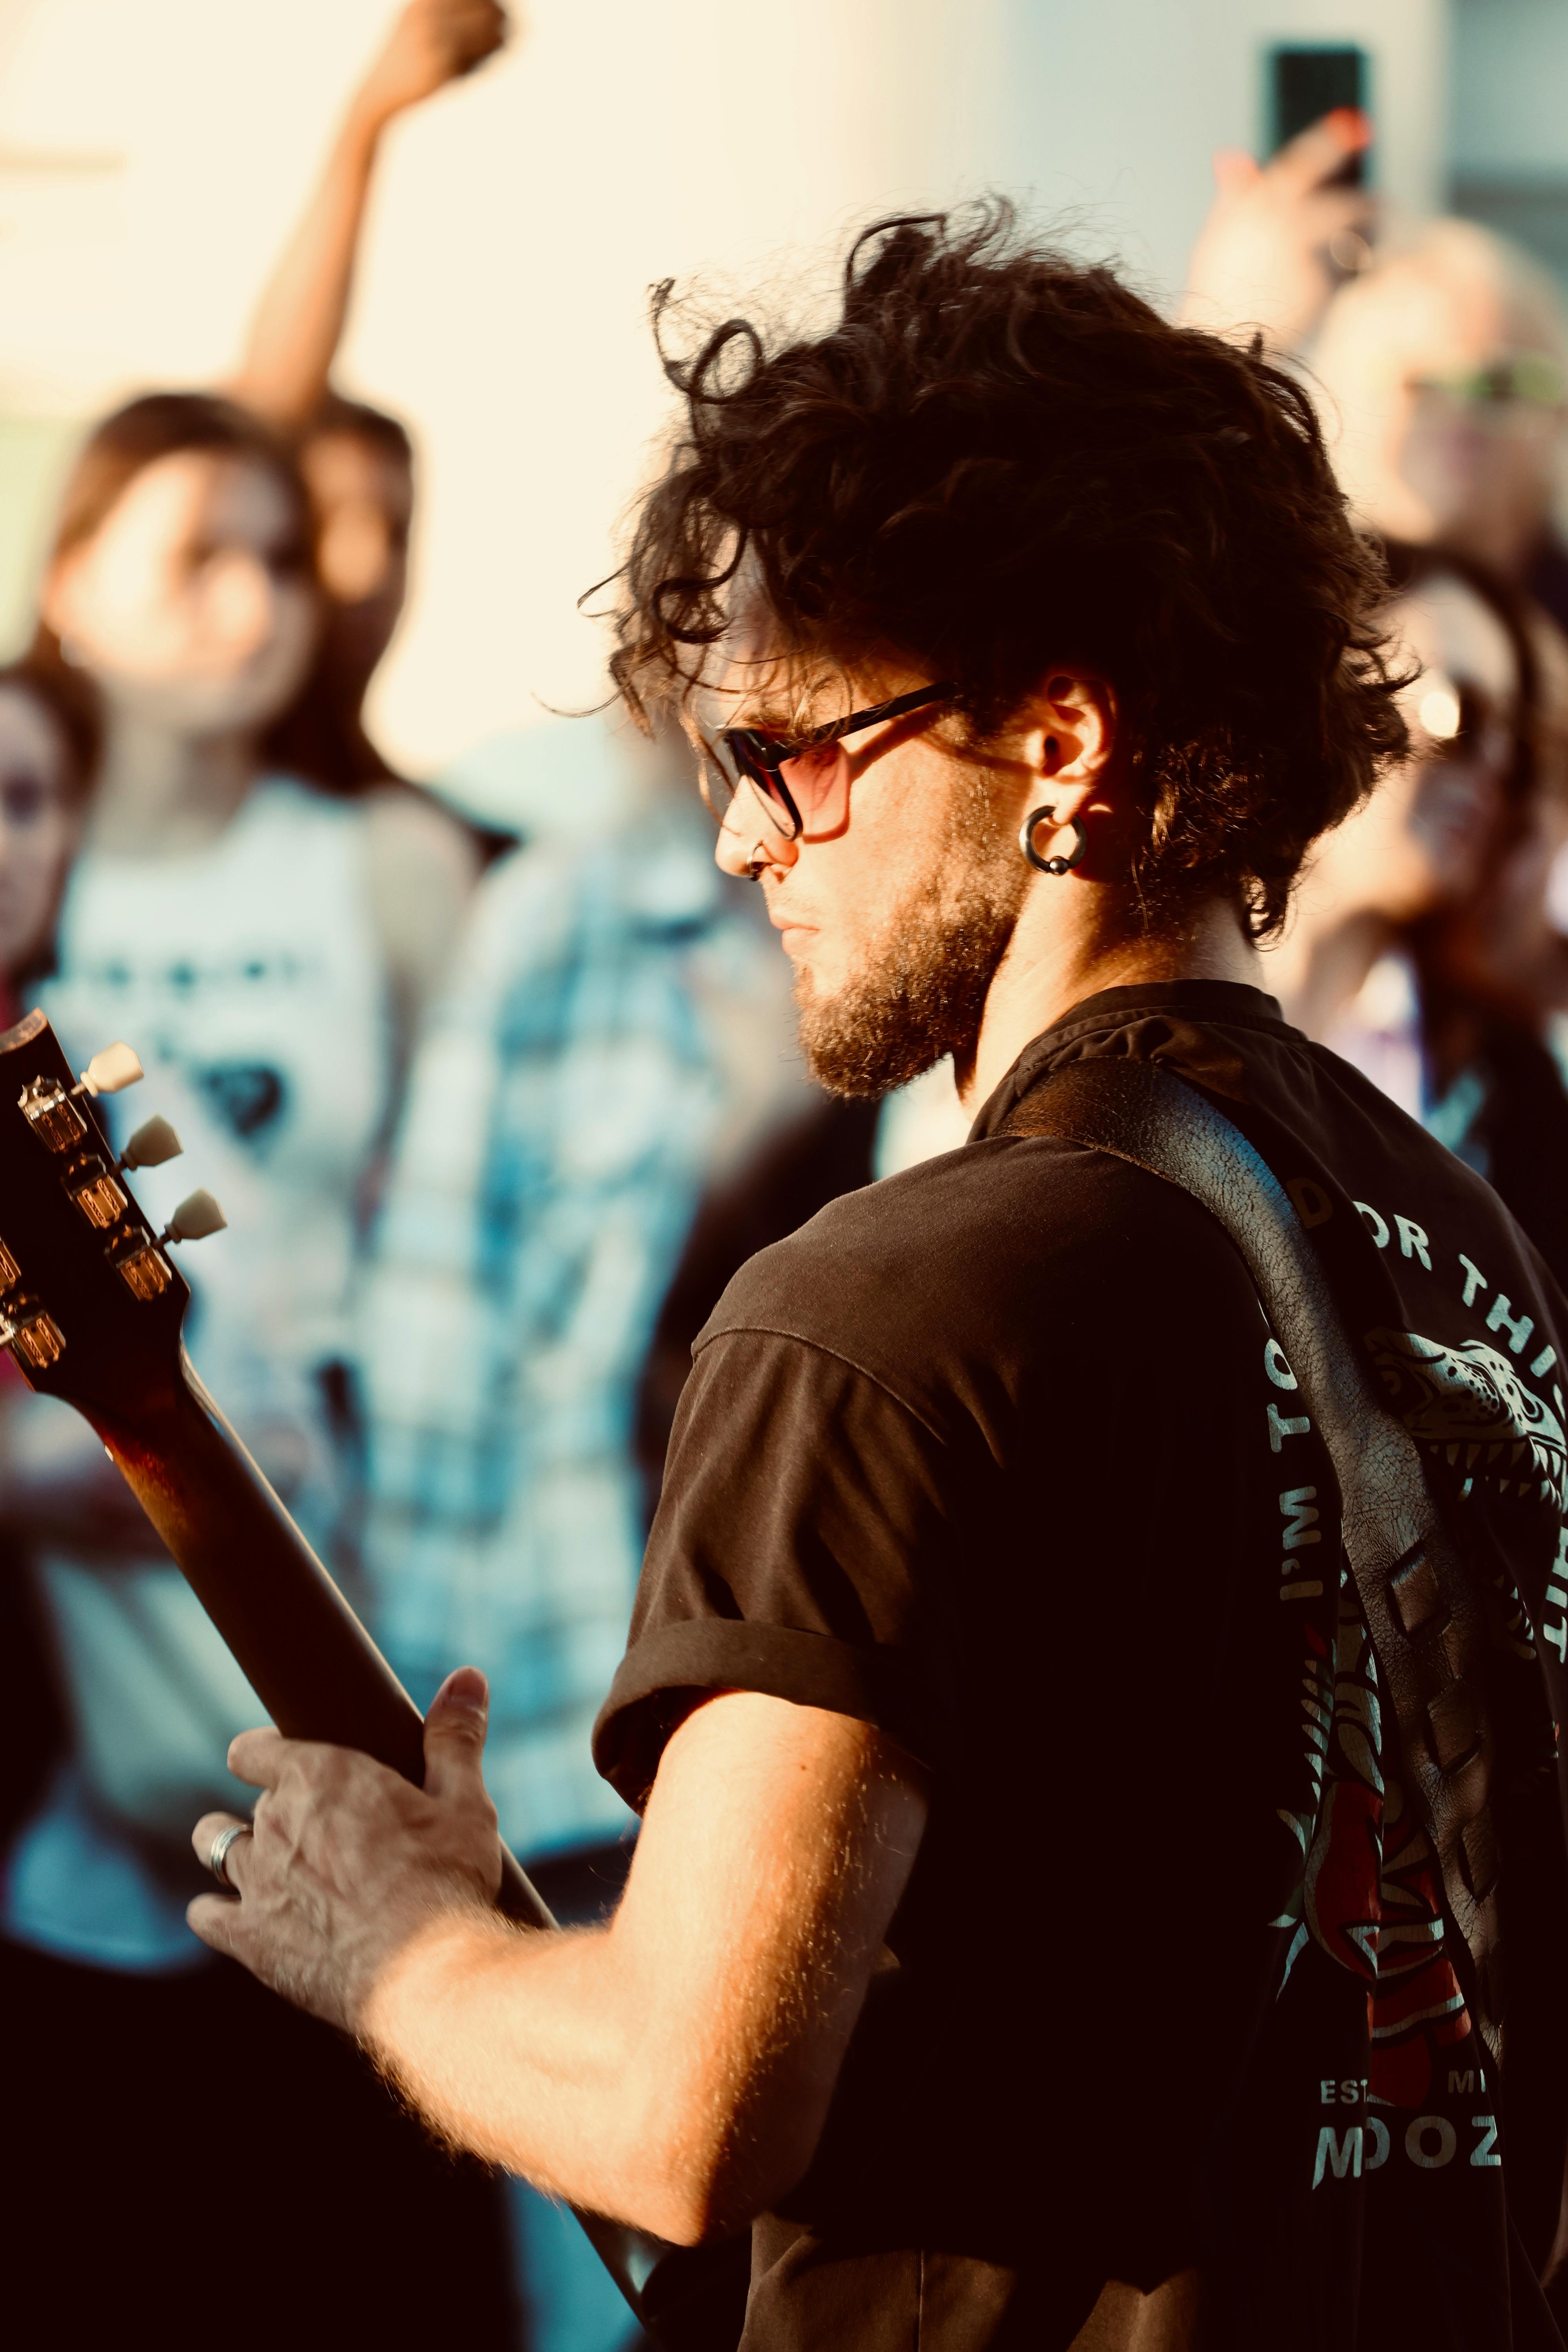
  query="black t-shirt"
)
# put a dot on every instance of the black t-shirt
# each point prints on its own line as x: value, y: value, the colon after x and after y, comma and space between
x: 1000, y: 1455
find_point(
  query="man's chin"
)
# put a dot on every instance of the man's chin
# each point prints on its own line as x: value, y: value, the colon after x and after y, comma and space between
x: 912, y: 988
x: 859, y: 1041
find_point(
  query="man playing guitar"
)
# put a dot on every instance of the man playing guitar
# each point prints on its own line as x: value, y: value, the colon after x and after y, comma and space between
x: 1031, y: 1937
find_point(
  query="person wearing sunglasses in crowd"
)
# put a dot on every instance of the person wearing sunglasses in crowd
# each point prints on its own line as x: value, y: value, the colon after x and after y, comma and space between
x: 1003, y: 1942
x: 1439, y: 357
x: 1444, y: 370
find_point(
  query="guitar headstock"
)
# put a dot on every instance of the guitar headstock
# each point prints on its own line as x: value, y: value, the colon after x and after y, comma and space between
x: 90, y: 1305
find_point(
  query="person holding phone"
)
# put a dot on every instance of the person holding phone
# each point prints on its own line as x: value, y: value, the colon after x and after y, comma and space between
x: 1441, y: 360
x: 1281, y: 236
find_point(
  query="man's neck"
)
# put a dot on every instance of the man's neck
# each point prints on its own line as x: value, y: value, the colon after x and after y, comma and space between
x: 160, y: 792
x: 1052, y: 965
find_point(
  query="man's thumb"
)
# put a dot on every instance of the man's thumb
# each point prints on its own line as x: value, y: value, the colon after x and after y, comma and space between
x: 455, y: 1732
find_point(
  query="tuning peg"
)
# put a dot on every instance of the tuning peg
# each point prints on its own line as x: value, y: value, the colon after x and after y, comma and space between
x: 153, y: 1142
x: 107, y: 1072
x: 197, y: 1216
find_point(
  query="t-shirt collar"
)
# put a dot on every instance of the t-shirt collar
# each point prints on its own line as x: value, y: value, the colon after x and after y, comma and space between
x: 1234, y: 1002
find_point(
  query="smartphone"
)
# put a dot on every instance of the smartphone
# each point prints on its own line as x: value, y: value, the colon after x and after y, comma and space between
x: 1305, y: 84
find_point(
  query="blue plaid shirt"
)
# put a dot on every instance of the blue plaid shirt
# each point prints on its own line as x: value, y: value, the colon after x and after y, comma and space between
x: 616, y: 1028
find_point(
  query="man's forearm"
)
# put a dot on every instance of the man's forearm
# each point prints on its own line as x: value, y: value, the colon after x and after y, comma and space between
x: 527, y: 2050
x: 673, y: 2070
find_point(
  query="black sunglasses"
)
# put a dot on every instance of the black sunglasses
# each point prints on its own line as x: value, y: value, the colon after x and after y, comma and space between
x: 804, y: 780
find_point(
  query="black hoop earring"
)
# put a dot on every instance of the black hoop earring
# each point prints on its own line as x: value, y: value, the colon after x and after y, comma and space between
x: 1051, y: 865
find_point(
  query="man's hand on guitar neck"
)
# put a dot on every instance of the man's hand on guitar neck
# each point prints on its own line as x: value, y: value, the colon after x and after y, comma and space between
x: 672, y: 2069
x: 349, y: 1862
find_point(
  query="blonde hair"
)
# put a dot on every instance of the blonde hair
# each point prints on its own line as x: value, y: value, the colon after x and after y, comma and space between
x: 1432, y: 301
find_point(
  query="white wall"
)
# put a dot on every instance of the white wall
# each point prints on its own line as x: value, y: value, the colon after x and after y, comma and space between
x: 1117, y: 106
x: 1510, y: 89
x: 522, y: 217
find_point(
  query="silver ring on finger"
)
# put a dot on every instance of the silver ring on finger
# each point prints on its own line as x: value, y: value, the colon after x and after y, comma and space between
x: 217, y: 1859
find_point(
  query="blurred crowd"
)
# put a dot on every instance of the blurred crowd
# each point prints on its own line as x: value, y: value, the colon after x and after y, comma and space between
x: 1425, y: 943
x: 494, y: 1117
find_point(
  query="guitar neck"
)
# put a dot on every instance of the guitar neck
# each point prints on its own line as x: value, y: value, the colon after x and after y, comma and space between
x: 91, y: 1308
x: 300, y: 1646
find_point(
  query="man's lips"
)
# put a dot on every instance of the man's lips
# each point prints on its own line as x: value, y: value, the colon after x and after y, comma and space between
x: 784, y: 923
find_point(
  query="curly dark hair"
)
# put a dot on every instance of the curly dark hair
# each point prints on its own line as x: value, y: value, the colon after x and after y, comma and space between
x: 997, y: 460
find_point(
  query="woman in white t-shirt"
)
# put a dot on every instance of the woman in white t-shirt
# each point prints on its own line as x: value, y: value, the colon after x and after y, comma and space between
x: 265, y: 944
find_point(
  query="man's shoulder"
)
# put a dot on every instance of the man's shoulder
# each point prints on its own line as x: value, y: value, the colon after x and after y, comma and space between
x: 979, y: 1257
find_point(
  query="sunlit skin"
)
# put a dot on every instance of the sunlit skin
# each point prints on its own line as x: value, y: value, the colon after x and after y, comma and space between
x: 39, y: 822
x: 1420, y: 844
x: 1076, y: 934
x: 299, y: 321
x: 194, y: 607
x: 1277, y: 234
x: 672, y: 2069
x: 192, y: 604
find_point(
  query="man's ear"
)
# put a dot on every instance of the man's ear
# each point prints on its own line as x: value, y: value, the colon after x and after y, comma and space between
x: 1070, y: 729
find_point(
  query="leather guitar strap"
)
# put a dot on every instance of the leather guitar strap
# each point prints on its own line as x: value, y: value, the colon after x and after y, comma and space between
x: 1423, y: 1600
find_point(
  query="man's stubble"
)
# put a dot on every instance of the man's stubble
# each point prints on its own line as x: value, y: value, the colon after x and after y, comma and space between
x: 918, y: 988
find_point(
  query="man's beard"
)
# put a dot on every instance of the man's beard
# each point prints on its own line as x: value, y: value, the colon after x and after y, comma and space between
x: 919, y: 986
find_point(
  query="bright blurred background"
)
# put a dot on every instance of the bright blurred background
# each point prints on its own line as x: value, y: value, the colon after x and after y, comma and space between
x: 152, y: 159
x: 455, y: 1304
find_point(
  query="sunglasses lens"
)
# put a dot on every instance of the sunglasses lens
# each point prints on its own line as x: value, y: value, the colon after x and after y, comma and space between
x: 815, y: 781
x: 763, y: 781
x: 818, y: 782
x: 734, y: 761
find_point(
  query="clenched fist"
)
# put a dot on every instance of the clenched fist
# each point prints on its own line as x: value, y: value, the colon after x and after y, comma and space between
x: 432, y: 43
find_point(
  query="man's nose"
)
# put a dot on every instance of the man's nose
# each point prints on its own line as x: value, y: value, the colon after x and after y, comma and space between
x: 750, y: 837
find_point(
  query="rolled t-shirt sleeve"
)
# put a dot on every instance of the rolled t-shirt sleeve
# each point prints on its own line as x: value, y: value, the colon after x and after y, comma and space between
x: 802, y: 1546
